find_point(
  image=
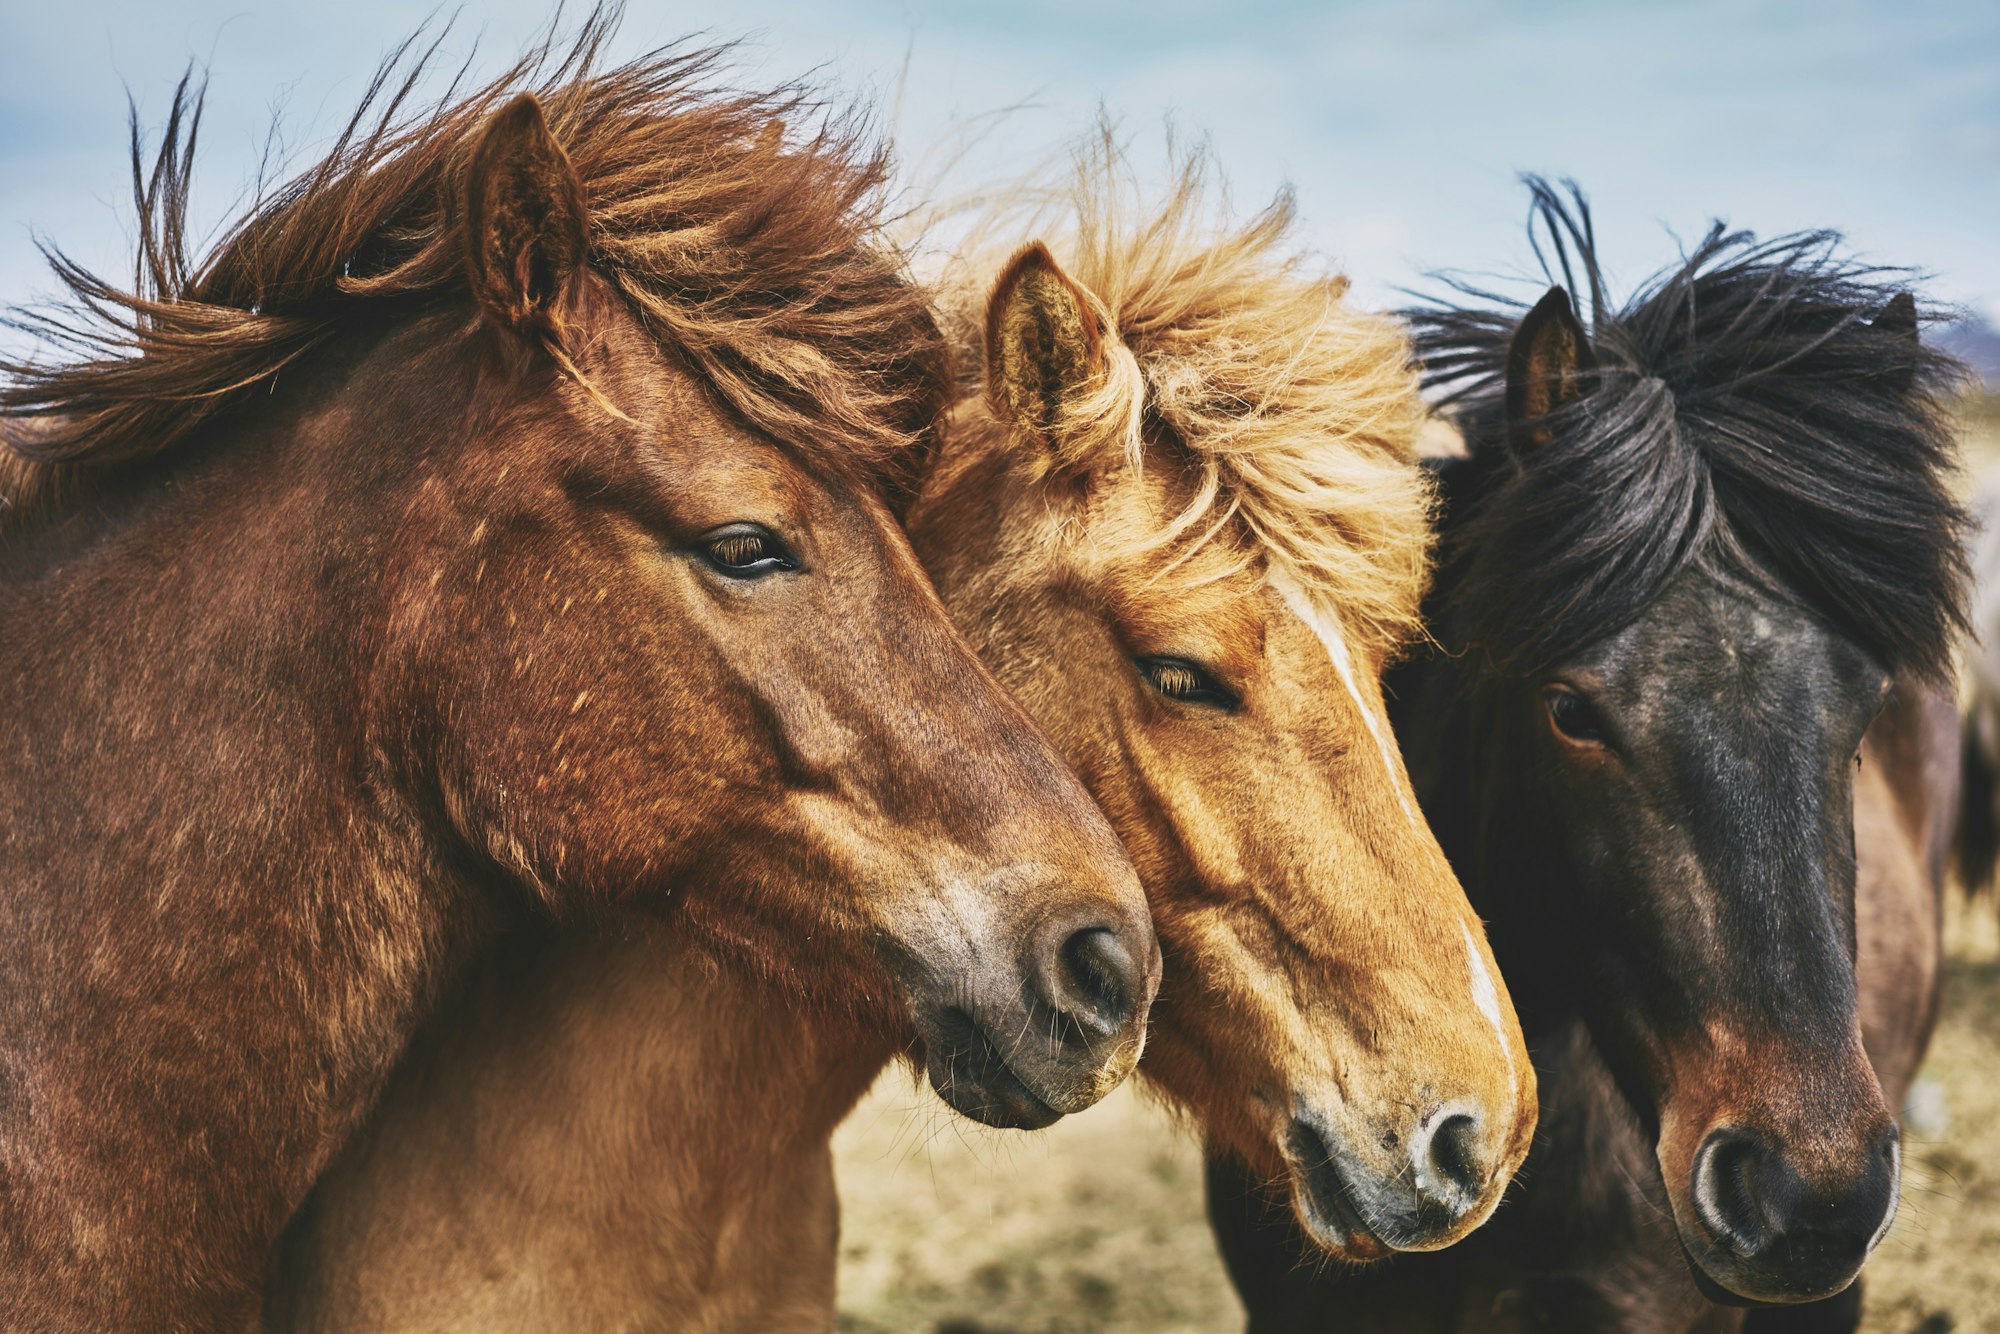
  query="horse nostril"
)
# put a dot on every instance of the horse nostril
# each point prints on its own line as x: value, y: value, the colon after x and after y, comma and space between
x: 1727, y: 1190
x: 1098, y: 980
x: 1454, y: 1150
x: 1449, y: 1175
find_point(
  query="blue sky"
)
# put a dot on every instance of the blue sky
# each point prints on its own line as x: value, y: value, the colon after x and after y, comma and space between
x: 1402, y: 123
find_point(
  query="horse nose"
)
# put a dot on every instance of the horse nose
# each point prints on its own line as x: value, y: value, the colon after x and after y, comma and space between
x: 1753, y: 1200
x: 1415, y: 1197
x: 1449, y: 1168
x: 1093, y: 981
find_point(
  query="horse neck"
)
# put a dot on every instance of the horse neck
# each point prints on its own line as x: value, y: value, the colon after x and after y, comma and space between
x: 597, y: 1126
x: 212, y: 904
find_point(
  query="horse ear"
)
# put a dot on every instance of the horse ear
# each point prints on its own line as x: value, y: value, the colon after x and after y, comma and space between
x: 1899, y: 318
x: 525, y: 226
x: 1044, y: 345
x: 1546, y: 366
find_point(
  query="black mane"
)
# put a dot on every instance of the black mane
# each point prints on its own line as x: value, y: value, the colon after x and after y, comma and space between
x: 1747, y: 417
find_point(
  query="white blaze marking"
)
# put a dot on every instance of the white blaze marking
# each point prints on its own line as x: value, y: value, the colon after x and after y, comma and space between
x: 1485, y: 994
x: 1487, y: 997
x: 1327, y: 630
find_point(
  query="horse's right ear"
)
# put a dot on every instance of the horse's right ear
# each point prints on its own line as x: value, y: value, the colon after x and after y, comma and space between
x: 1898, y: 319
x: 1546, y: 366
x: 1044, y: 346
x: 525, y: 225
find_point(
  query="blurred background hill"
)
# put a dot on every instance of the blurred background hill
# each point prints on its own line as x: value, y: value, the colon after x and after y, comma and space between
x: 1976, y: 342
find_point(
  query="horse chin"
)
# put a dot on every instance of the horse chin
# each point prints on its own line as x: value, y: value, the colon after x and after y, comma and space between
x: 1729, y: 1292
x: 1336, y: 1229
x: 1326, y: 1208
x: 1708, y: 1287
x: 968, y: 1072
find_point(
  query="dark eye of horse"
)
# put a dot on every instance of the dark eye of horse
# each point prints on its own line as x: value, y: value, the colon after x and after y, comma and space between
x: 1572, y: 716
x: 745, y: 551
x: 1177, y: 678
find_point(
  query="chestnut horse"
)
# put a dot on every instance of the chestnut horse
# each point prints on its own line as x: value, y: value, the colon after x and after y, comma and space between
x: 1689, y: 737
x: 1181, y: 518
x: 486, y: 531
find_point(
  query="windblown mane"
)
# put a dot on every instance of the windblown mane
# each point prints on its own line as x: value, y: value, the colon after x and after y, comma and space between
x: 754, y: 259
x: 1295, y: 412
x: 1747, y: 417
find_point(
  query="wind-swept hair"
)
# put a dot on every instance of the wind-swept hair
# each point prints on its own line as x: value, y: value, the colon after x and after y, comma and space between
x: 1239, y: 363
x: 749, y: 251
x: 1759, y: 409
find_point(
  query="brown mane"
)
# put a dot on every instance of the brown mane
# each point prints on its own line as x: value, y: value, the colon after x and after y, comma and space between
x: 751, y: 257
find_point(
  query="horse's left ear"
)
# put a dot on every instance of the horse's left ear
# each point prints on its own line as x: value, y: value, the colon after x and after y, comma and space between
x: 1899, y: 317
x: 1546, y: 365
x: 525, y: 225
x: 1044, y: 346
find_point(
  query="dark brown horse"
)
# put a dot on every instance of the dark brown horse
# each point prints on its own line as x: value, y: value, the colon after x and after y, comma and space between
x: 490, y: 528
x: 1689, y: 741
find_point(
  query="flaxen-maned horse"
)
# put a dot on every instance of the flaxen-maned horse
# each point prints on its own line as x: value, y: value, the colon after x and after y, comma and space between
x: 1689, y: 738
x: 1179, y: 514
x: 487, y: 530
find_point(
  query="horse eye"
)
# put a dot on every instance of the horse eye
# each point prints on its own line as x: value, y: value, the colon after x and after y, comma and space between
x: 745, y: 551
x: 742, y: 549
x: 1177, y: 678
x: 1572, y: 716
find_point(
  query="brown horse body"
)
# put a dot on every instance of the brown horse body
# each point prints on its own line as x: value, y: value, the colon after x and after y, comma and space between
x: 390, y: 583
x: 598, y: 1133
x: 560, y: 1156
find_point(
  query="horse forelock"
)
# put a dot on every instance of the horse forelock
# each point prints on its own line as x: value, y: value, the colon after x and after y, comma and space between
x: 1285, y: 416
x: 1746, y: 416
x: 740, y: 227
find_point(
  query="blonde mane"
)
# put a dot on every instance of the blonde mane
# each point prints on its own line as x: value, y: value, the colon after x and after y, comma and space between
x: 1295, y: 413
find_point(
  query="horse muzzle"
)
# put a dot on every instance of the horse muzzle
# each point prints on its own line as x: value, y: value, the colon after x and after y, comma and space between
x: 1050, y: 1033
x: 1424, y: 1188
x: 1766, y: 1234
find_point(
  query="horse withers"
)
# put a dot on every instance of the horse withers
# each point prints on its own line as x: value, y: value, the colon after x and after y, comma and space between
x: 1178, y: 512
x: 491, y: 527
x: 1688, y: 738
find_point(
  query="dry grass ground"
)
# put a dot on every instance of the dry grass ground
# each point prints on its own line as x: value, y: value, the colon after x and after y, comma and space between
x: 1939, y: 1268
x: 1096, y: 1226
